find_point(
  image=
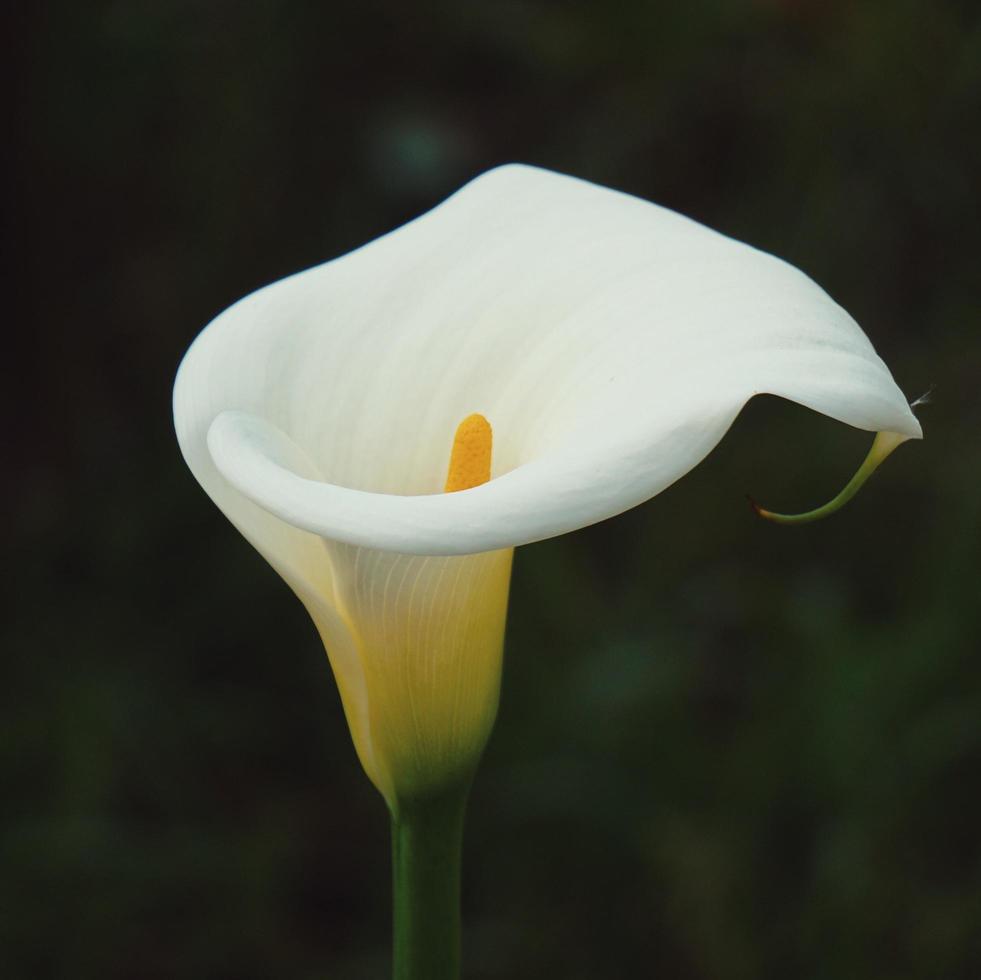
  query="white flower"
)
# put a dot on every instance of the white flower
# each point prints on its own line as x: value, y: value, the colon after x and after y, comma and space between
x: 610, y: 343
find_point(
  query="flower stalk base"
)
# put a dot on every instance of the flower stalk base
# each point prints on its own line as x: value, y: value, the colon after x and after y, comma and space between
x: 427, y: 842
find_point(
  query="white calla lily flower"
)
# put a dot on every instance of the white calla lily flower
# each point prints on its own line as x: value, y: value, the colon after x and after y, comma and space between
x: 610, y: 343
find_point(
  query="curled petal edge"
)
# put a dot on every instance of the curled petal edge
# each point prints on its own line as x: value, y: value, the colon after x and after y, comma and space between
x: 538, y: 500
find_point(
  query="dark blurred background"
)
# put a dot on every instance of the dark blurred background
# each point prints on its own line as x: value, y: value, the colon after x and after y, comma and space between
x: 726, y: 750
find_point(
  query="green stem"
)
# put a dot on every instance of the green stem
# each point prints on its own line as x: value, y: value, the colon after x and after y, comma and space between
x: 427, y: 841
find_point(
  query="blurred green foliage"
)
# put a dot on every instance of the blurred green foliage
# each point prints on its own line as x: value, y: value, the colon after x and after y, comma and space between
x: 726, y: 750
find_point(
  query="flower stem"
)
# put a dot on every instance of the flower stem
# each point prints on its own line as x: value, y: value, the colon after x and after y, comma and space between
x: 427, y: 840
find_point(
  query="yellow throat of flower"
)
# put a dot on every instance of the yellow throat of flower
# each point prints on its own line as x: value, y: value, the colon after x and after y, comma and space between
x: 470, y: 457
x: 416, y: 644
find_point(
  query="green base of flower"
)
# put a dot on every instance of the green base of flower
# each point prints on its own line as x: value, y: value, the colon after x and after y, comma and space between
x: 427, y: 842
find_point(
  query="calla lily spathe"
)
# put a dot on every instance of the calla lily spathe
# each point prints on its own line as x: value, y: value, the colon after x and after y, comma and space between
x: 610, y: 342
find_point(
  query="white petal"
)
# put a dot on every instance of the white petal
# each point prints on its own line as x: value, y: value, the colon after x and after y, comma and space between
x: 610, y: 343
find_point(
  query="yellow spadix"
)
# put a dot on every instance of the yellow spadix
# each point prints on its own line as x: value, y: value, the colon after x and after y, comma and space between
x: 470, y: 457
